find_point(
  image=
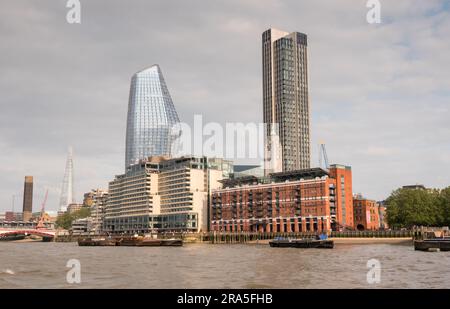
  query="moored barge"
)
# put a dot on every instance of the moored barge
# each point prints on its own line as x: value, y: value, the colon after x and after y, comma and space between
x: 97, y: 242
x: 434, y: 244
x: 302, y: 243
x: 130, y: 241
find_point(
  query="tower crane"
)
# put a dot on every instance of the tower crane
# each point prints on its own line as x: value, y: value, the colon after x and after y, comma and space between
x: 40, y: 224
x: 323, y: 158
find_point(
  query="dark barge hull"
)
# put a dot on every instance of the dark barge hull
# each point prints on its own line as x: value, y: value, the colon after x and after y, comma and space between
x: 302, y: 243
x: 430, y: 244
x: 12, y: 237
x: 130, y: 242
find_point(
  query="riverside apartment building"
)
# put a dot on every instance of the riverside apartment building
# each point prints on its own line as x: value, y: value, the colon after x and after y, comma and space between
x: 308, y: 200
x: 164, y: 194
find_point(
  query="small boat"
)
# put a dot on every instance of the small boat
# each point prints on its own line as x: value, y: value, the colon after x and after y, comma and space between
x: 433, y: 244
x: 97, y: 242
x: 302, y: 243
x: 171, y: 242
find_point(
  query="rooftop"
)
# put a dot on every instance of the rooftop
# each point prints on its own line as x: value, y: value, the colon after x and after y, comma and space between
x: 304, y: 174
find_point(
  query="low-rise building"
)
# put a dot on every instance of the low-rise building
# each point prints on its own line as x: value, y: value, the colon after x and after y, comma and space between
x: 80, y: 226
x: 164, y: 195
x: 96, y: 200
x: 366, y: 213
x: 415, y: 187
x: 310, y: 200
x: 71, y: 208
x: 13, y: 216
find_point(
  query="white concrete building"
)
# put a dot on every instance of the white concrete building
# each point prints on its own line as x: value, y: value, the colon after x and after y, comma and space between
x: 164, y: 195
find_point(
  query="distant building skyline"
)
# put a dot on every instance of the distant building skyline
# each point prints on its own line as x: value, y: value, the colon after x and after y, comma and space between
x: 286, y: 97
x: 151, y: 116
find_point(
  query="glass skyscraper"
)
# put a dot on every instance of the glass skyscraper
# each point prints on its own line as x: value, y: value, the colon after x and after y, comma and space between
x: 151, y: 116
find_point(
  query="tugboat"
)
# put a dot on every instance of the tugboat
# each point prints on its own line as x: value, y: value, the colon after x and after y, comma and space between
x: 320, y: 242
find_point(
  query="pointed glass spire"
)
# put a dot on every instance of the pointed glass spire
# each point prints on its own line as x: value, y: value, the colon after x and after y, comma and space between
x: 67, y: 196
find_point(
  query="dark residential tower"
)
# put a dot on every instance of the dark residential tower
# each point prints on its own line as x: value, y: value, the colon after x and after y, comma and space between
x: 286, y: 97
x: 27, y: 198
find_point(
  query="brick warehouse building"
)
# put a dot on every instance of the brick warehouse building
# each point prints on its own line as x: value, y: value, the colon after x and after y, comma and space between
x: 310, y: 200
x: 366, y: 213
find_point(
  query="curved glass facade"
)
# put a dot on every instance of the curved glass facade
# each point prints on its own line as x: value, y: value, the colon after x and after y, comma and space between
x: 151, y: 115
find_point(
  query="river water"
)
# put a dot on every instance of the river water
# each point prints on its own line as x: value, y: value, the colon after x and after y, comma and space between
x: 43, y: 265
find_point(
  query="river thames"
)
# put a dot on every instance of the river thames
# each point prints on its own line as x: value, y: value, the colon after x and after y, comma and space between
x: 43, y: 265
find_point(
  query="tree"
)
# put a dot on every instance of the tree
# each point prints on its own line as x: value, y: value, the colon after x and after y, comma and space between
x: 65, y: 220
x: 84, y: 212
x: 444, y: 200
x: 410, y: 207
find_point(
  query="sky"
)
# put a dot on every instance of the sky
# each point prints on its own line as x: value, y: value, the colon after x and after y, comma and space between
x: 379, y: 93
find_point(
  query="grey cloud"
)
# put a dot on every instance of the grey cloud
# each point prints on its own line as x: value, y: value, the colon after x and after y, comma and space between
x: 379, y: 93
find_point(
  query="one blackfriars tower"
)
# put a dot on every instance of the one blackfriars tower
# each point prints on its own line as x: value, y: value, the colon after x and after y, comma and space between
x: 286, y: 97
x: 151, y: 117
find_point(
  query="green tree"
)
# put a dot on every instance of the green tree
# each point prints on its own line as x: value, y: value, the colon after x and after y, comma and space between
x: 444, y: 200
x: 65, y: 221
x: 84, y: 212
x: 409, y: 207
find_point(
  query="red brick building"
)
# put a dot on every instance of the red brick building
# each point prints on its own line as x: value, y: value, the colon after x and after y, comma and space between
x: 366, y: 213
x: 311, y: 200
x: 13, y: 216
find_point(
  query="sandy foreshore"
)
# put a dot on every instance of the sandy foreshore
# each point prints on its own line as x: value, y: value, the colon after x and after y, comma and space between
x: 357, y: 240
x: 373, y: 240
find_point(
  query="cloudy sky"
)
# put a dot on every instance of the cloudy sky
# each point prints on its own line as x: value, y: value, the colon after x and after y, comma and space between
x: 380, y: 94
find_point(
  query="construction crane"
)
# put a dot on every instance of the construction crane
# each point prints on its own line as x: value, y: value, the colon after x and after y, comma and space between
x: 323, y: 158
x: 40, y: 224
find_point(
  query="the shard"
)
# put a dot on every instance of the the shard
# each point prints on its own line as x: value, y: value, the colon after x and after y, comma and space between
x: 151, y: 116
x: 67, y: 195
